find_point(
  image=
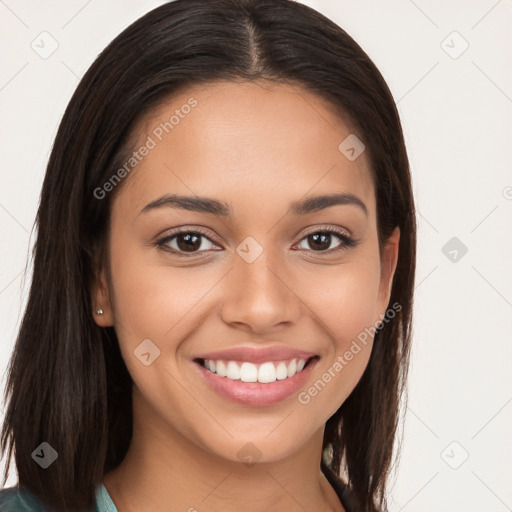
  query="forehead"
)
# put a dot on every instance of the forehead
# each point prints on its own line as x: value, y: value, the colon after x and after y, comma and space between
x: 235, y: 140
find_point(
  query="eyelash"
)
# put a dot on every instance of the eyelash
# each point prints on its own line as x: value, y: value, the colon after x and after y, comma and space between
x: 347, y: 241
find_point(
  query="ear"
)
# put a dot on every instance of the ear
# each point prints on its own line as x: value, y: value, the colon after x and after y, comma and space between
x: 101, y: 299
x: 389, y: 258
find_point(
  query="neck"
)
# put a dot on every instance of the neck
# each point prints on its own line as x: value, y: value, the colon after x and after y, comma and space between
x: 164, y: 470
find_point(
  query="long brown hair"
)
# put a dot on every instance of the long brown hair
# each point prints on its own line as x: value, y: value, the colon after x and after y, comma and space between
x: 67, y: 382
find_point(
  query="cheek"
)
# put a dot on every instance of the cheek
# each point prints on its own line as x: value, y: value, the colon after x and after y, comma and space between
x: 160, y: 303
x: 344, y: 299
x: 150, y: 298
x: 344, y: 304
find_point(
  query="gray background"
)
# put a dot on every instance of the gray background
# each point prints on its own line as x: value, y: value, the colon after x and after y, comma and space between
x: 456, y: 109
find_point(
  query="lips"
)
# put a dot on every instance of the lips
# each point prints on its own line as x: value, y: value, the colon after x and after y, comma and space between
x: 256, y: 355
x: 256, y: 376
x: 255, y: 393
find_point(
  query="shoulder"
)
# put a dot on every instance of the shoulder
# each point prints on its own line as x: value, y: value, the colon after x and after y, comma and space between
x: 12, y: 499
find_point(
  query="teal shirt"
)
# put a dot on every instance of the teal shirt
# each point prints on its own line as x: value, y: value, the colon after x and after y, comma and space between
x: 13, y: 501
x: 103, y: 501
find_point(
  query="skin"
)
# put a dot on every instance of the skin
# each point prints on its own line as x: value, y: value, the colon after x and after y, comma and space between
x: 258, y: 147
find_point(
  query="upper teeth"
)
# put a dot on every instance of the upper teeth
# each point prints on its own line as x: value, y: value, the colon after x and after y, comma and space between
x: 250, y: 372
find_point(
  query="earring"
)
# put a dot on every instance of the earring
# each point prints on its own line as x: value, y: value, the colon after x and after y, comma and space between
x: 99, y: 312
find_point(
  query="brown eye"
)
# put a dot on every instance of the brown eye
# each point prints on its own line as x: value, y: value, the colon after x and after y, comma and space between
x: 183, y: 242
x: 320, y: 241
x: 188, y: 242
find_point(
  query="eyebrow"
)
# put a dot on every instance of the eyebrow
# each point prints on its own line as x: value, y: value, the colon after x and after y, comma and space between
x: 219, y: 208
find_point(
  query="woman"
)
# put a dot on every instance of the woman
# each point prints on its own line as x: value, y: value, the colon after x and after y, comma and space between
x: 221, y: 303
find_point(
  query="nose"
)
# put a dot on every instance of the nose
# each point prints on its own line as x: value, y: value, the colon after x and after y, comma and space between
x: 260, y: 296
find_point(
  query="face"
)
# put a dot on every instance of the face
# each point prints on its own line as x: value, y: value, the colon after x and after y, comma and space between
x: 264, y: 274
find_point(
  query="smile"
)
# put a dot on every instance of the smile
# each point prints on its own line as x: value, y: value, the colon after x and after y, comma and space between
x: 255, y: 384
x: 249, y: 372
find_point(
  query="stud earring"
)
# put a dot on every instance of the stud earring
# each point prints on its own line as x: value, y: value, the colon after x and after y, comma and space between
x: 99, y: 312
